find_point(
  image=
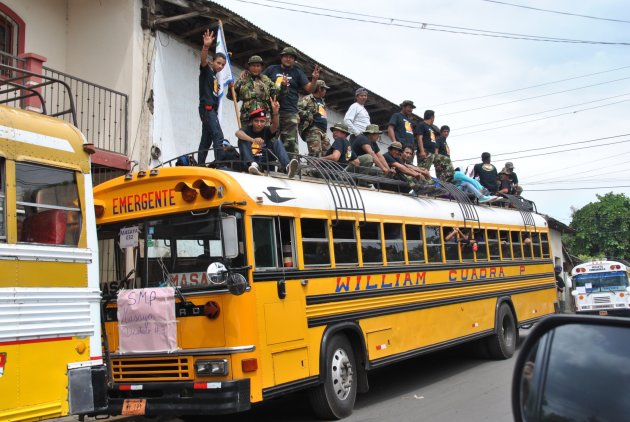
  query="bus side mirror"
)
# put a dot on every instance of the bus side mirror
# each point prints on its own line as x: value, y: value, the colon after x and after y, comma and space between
x: 230, y: 237
x: 573, y: 367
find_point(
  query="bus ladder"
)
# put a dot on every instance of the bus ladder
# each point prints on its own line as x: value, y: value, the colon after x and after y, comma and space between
x: 469, y: 212
x: 343, y: 189
x: 525, y: 207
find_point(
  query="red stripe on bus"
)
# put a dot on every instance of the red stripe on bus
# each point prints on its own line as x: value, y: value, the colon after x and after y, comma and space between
x: 39, y: 340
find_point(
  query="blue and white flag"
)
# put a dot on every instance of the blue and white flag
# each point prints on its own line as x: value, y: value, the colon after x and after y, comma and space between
x: 225, y: 76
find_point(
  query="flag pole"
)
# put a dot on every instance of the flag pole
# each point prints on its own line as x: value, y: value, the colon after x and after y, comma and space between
x: 234, y: 99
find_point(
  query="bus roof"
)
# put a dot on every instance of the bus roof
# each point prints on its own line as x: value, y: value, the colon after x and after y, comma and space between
x: 41, y: 138
x: 598, y: 267
x: 144, y: 196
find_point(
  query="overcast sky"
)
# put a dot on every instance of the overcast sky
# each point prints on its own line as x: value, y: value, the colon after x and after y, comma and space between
x: 437, y: 69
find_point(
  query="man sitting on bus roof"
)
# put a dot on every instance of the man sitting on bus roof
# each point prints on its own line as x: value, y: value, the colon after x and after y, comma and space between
x: 258, y: 134
x: 341, y: 150
x: 416, y: 177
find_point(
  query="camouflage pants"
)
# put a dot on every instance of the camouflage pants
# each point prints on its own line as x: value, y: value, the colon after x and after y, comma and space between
x: 289, y: 131
x: 316, y: 141
x: 443, y: 166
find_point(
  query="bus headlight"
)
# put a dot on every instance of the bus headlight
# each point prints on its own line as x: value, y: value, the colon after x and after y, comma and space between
x: 211, y: 367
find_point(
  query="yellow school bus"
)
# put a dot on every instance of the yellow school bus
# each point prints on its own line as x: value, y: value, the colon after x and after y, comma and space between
x: 271, y: 285
x: 50, y: 337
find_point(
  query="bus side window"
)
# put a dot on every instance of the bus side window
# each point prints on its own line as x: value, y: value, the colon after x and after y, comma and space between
x: 544, y: 240
x: 451, y: 243
x: 345, y: 243
x: 516, y: 245
x: 48, y: 207
x: 526, y: 237
x: 482, y: 251
x: 371, y: 247
x: 415, y: 243
x: 506, y: 249
x: 493, y: 245
x: 394, y: 248
x: 434, y: 243
x: 3, y: 234
x: 315, y: 244
x: 264, y: 243
x: 536, y: 245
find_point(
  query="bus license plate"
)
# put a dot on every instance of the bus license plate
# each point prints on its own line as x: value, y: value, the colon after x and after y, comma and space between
x: 603, y: 312
x: 134, y: 407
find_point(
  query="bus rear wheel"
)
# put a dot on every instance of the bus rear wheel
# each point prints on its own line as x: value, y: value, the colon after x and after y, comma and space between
x: 334, y: 398
x: 502, y: 344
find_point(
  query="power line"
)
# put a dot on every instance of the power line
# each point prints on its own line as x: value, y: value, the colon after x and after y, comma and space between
x: 542, y: 118
x: 581, y: 164
x: 428, y: 26
x: 543, y: 112
x: 536, y: 96
x: 580, y: 188
x: 556, y: 11
x: 532, y: 86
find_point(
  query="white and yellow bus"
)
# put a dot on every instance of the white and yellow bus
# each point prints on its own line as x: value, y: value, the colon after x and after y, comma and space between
x: 268, y: 285
x: 600, y: 287
x: 50, y: 338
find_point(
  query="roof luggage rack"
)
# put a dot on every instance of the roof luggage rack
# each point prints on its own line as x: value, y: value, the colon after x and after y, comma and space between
x: 525, y: 207
x: 341, y: 184
x: 469, y: 212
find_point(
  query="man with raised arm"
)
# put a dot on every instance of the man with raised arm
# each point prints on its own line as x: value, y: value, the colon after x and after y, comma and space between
x: 294, y: 79
x: 211, y: 133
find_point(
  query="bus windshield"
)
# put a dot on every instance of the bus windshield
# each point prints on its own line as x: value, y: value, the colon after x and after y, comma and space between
x: 602, y: 282
x: 175, y: 249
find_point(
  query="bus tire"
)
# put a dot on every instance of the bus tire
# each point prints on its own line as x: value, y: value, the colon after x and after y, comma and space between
x: 502, y: 344
x: 334, y: 398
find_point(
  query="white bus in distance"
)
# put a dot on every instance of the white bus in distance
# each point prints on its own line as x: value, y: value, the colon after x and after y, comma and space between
x: 600, y: 287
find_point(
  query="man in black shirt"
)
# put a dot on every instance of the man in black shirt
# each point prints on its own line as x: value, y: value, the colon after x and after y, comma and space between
x: 416, y: 177
x: 294, y: 78
x: 341, y: 150
x: 258, y: 134
x: 211, y: 133
x: 400, y: 127
x: 487, y: 173
x: 509, y: 170
x: 428, y: 154
x: 365, y: 147
x: 442, y: 145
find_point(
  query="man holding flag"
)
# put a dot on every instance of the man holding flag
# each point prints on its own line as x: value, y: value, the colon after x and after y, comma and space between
x: 209, y: 97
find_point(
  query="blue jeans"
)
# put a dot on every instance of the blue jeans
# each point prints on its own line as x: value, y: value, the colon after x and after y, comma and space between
x: 211, y: 135
x: 468, y: 187
x: 275, y: 145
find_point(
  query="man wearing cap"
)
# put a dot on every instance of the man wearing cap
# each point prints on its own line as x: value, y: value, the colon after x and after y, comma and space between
x: 365, y: 147
x: 341, y: 150
x: 357, y: 118
x: 400, y: 127
x: 255, y: 90
x: 414, y: 176
x: 487, y: 173
x: 505, y: 184
x: 211, y: 133
x: 313, y: 122
x: 294, y: 79
x: 509, y: 170
x: 258, y: 133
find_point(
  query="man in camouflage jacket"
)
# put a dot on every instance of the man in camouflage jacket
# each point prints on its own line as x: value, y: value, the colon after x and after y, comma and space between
x: 313, y: 122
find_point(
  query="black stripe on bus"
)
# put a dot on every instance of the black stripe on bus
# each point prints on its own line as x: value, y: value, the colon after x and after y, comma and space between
x: 294, y: 273
x: 289, y: 387
x: 356, y: 315
x: 427, y: 349
x: 363, y: 294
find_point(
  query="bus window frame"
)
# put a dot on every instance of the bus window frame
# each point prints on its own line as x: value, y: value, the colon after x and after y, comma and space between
x: 517, y: 246
x: 315, y: 240
x: 437, y: 246
x: 453, y: 244
x: 508, y: 244
x: 3, y: 206
x: 343, y: 241
x: 544, y: 245
x: 420, y: 243
x: 394, y: 242
x: 481, y: 245
x: 376, y: 227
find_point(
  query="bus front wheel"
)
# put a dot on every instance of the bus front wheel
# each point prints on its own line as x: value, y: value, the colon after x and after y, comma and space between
x: 334, y: 398
x: 502, y: 344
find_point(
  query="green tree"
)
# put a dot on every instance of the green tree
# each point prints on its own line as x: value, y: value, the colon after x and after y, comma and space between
x: 603, y: 227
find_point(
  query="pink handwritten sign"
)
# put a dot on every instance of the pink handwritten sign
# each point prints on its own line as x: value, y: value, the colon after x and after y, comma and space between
x: 146, y: 320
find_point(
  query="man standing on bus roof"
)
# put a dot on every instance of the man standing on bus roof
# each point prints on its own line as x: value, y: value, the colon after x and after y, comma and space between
x: 400, y: 127
x: 255, y: 89
x: 294, y: 79
x: 313, y: 121
x: 341, y: 149
x: 357, y: 118
x: 263, y: 136
x: 211, y: 133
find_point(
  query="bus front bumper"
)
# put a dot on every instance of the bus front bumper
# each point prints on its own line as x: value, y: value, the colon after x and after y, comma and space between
x: 180, y: 398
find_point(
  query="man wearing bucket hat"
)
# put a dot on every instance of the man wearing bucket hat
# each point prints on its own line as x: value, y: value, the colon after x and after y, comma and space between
x: 509, y: 171
x: 313, y: 122
x: 341, y: 150
x: 415, y: 177
x: 400, y: 127
x: 255, y: 89
x: 365, y: 146
x: 294, y: 78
